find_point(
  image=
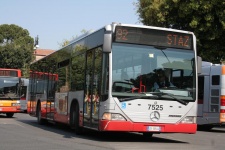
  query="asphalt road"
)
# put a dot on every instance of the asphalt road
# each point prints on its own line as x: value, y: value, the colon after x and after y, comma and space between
x: 22, y: 132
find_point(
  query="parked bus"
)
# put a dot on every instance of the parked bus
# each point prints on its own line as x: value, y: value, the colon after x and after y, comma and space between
x: 10, y: 83
x: 211, y: 100
x: 41, y: 87
x: 106, y: 77
x: 24, y: 94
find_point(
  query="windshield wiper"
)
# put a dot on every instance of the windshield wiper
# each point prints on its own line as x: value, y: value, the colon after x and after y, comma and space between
x: 138, y: 97
x: 162, y: 48
x: 160, y: 94
x: 179, y: 100
x: 9, y: 97
x: 154, y: 95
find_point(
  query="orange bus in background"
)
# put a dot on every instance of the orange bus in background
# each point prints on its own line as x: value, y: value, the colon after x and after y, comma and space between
x: 10, y: 91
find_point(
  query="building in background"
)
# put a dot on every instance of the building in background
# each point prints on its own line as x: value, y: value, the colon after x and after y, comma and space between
x: 40, y: 53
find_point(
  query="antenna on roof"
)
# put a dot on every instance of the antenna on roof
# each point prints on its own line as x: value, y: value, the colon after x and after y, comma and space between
x: 36, y: 42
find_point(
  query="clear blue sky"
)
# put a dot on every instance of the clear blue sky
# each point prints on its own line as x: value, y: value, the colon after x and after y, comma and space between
x: 57, y: 20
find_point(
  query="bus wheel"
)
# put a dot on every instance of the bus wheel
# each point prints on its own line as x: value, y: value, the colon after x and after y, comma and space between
x: 147, y: 135
x: 39, y: 119
x: 74, y: 119
x: 9, y: 115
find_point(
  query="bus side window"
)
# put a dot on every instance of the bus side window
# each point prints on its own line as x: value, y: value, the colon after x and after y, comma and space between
x: 200, y: 87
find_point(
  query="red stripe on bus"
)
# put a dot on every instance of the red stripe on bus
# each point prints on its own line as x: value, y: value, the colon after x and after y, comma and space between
x: 106, y: 125
x: 10, y: 109
x: 222, y: 101
x: 222, y: 110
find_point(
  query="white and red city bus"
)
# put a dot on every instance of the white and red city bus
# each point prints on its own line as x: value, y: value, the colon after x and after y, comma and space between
x: 105, y: 81
x: 211, y: 101
x: 10, y: 85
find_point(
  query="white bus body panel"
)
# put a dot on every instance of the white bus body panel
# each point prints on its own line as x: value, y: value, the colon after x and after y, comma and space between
x: 138, y: 110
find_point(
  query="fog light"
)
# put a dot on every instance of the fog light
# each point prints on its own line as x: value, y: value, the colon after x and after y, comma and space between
x: 15, y: 104
x: 189, y: 119
x: 112, y: 116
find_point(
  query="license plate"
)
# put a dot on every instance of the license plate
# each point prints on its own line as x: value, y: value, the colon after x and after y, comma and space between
x: 153, y: 128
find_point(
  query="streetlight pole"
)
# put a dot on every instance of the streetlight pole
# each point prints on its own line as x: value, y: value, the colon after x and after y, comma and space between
x: 36, y: 46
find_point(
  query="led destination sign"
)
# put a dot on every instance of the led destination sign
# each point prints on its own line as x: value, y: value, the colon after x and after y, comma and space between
x: 153, y: 37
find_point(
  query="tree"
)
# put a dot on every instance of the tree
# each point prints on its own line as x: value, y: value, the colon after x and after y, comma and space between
x: 16, y: 48
x: 206, y: 18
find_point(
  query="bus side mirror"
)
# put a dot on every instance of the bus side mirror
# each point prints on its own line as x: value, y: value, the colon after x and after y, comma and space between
x: 107, y: 47
x: 199, y: 65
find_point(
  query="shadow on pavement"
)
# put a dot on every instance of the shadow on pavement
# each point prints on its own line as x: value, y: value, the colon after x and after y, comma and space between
x: 66, y: 132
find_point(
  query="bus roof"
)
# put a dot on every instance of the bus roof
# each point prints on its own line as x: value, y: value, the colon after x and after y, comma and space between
x: 113, y: 25
x: 128, y: 25
x: 156, y: 28
x: 206, y: 63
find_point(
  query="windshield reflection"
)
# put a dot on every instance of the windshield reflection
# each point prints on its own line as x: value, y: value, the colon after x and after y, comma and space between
x: 147, y: 69
x: 9, y: 88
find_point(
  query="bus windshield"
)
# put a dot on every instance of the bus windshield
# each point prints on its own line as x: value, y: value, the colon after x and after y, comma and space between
x: 9, y: 88
x: 137, y: 69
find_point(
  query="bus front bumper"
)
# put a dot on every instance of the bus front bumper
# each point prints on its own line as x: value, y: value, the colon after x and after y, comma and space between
x: 126, y: 126
x: 10, y: 109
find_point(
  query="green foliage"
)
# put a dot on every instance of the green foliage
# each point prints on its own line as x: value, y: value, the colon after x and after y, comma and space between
x: 63, y: 43
x: 16, y: 48
x: 206, y: 18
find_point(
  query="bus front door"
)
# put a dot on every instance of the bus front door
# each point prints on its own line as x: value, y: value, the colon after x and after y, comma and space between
x: 91, y: 100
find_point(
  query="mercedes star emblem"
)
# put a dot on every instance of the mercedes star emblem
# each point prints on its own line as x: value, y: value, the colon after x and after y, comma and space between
x: 154, y: 116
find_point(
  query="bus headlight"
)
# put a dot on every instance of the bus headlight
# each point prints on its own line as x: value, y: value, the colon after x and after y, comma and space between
x: 189, y: 119
x: 15, y: 104
x: 112, y: 116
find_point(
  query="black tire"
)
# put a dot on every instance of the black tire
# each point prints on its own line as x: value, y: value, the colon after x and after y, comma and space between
x: 9, y: 115
x: 74, y: 119
x: 38, y: 113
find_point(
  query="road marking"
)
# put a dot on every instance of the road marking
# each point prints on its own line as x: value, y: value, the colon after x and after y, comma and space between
x: 9, y: 123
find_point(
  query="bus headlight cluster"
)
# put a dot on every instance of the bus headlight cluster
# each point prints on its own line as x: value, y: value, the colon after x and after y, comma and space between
x: 113, y: 116
x: 189, y: 119
x: 15, y: 104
